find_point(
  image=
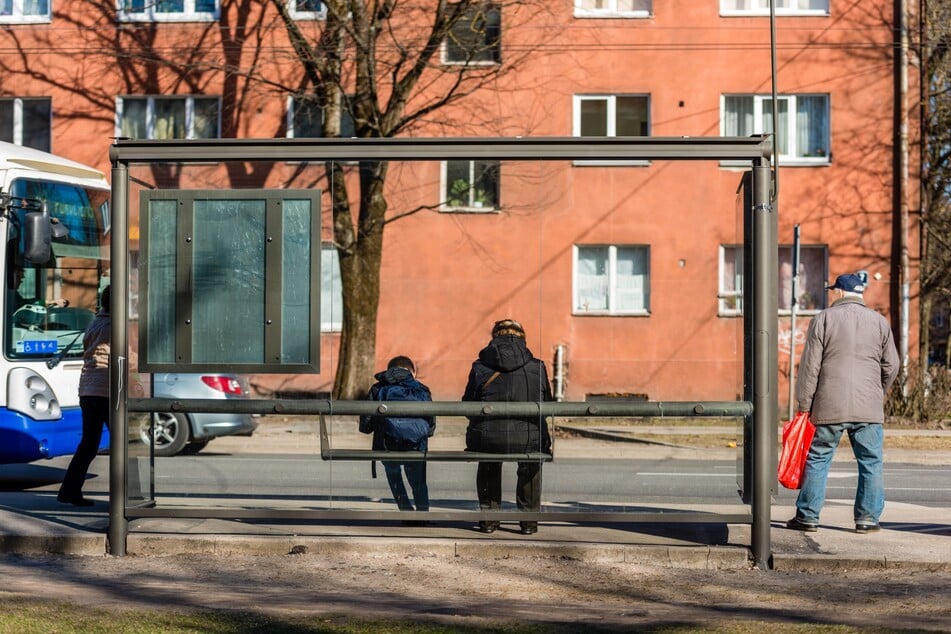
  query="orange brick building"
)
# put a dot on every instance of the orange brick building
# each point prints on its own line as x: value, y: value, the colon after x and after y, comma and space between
x: 624, y: 275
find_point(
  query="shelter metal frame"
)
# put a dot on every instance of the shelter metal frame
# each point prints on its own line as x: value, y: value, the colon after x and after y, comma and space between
x: 759, y: 407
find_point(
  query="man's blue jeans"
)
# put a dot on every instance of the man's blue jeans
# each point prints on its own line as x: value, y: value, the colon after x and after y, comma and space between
x: 866, y: 439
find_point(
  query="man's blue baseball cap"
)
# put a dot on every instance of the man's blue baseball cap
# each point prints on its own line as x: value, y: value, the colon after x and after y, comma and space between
x: 849, y: 282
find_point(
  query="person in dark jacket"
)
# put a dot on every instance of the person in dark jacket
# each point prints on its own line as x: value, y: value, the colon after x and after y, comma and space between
x: 391, y: 433
x: 506, y: 370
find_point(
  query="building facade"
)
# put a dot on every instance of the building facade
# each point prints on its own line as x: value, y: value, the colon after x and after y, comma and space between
x: 626, y: 276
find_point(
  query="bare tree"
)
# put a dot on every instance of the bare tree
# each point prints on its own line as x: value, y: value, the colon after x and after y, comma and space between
x: 382, y: 63
x: 936, y: 166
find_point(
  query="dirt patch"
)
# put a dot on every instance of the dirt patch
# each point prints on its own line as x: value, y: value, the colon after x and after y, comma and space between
x: 486, y: 592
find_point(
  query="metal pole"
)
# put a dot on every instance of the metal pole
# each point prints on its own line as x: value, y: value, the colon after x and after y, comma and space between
x: 765, y: 344
x: 793, y: 306
x: 118, y: 361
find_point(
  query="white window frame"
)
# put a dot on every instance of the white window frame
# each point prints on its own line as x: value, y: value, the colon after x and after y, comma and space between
x: 730, y: 302
x: 188, y: 14
x: 612, y: 310
x: 611, y: 100
x: 307, y: 15
x: 611, y: 11
x: 329, y: 252
x: 761, y: 7
x: 473, y: 206
x: 18, y: 17
x: 790, y: 158
x: 150, y: 113
x: 18, y: 118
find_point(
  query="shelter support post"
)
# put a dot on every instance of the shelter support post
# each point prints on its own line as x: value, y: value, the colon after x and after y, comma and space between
x: 765, y: 344
x: 118, y: 362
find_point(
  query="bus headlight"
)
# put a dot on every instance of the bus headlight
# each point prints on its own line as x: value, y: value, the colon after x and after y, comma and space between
x: 30, y: 394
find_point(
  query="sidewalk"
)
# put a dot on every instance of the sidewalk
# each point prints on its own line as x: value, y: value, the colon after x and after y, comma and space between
x: 913, y: 537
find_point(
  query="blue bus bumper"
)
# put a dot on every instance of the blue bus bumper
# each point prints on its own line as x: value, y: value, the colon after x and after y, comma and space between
x: 23, y: 439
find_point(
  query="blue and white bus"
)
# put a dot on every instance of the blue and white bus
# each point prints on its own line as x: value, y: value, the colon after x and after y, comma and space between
x: 54, y: 215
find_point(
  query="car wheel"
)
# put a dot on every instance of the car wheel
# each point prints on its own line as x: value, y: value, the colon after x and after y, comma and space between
x: 194, y: 447
x: 170, y: 433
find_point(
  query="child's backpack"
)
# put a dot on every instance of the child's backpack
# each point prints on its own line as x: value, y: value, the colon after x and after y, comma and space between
x: 402, y: 433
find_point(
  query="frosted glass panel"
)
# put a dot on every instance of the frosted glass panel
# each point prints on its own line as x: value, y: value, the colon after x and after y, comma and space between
x: 296, y: 292
x: 229, y: 249
x: 161, y: 263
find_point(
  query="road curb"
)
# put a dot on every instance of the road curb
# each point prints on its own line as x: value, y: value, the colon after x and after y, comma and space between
x: 78, y: 544
x: 684, y: 557
x: 837, y: 564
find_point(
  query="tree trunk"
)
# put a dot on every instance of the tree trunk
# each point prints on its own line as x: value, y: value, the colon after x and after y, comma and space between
x: 360, y: 261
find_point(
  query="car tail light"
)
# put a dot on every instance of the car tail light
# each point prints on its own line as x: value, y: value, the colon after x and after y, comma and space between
x: 226, y: 384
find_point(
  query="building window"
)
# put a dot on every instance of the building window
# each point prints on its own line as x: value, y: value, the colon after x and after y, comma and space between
x: 476, y: 38
x: 802, y: 135
x: 471, y: 185
x: 26, y: 121
x: 24, y: 11
x: 783, y: 7
x: 331, y: 290
x: 307, y: 9
x: 305, y: 119
x: 168, y: 10
x: 811, y: 293
x: 611, y: 280
x: 612, y: 8
x: 168, y: 117
x: 611, y: 115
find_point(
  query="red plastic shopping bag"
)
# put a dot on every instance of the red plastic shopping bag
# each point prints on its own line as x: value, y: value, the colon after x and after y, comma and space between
x: 797, y: 437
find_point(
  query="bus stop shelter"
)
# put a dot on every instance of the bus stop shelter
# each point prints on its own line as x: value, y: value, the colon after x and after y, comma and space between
x: 756, y: 474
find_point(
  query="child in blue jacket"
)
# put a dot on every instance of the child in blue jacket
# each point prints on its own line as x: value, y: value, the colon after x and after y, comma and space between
x: 397, y: 433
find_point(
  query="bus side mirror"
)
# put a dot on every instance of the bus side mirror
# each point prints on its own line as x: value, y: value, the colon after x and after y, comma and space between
x: 38, y: 233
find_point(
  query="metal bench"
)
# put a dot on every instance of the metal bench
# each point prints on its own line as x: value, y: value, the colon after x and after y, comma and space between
x: 327, y: 452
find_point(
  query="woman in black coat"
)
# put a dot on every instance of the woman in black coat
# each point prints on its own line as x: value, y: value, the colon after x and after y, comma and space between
x: 506, y: 370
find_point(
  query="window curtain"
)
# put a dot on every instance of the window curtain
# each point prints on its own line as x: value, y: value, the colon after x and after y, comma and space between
x: 134, y: 118
x: 592, y: 279
x: 169, y: 119
x: 631, y: 279
x: 782, y: 130
x: 35, y: 7
x: 812, y: 129
x: 206, y: 119
x: 738, y: 116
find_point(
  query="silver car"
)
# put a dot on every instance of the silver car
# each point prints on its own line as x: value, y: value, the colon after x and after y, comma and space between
x: 176, y: 433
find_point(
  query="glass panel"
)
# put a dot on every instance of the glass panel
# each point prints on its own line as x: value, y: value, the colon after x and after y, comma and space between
x: 163, y: 232
x: 458, y: 183
x: 170, y: 6
x: 486, y: 186
x: 634, y: 5
x: 206, y: 118
x: 812, y: 278
x: 632, y: 279
x: 295, y: 291
x: 308, y: 118
x: 6, y: 7
x: 331, y: 293
x: 229, y: 243
x: 205, y: 6
x: 309, y: 6
x: 782, y: 133
x: 631, y: 116
x: 170, y: 119
x: 36, y: 7
x: 738, y: 115
x: 134, y: 6
x: 812, y: 126
x: 594, y: 117
x: 134, y: 122
x: 36, y: 123
x: 592, y: 279
x: 6, y: 120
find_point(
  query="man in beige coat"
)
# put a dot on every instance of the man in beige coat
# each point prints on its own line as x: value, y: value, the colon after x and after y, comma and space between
x: 848, y: 364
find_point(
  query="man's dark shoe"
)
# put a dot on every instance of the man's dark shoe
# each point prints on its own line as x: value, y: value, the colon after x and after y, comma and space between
x: 867, y: 527
x: 797, y: 524
x: 488, y: 527
x: 75, y: 501
x: 529, y: 528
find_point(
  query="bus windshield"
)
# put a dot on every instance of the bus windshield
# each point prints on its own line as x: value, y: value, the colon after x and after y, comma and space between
x: 48, y: 306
